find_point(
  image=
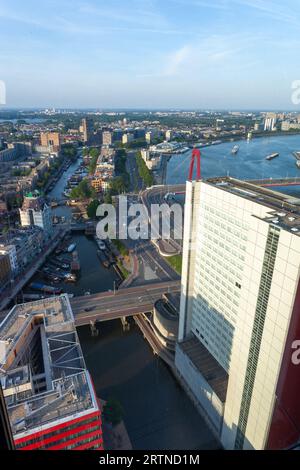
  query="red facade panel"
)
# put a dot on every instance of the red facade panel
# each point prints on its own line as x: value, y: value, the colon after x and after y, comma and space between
x: 40, y: 441
x: 285, y: 425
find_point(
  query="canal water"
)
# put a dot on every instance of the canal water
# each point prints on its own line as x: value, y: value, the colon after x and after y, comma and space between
x: 157, y: 412
x: 93, y: 276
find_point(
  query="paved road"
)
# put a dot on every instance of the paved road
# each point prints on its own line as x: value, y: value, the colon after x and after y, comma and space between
x: 156, y: 195
x: 136, y: 182
x: 122, y: 303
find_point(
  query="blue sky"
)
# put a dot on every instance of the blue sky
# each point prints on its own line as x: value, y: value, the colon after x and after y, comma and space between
x: 237, y: 54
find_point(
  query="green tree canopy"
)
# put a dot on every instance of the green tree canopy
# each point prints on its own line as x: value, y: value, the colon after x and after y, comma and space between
x: 83, y: 191
x: 92, y: 208
x: 113, y: 411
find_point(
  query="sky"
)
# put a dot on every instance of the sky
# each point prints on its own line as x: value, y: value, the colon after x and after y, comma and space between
x: 192, y: 54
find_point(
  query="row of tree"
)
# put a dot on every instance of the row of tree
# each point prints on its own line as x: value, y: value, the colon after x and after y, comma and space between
x: 144, y: 172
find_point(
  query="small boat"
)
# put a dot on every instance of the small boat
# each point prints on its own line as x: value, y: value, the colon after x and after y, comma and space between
x: 71, y: 248
x: 70, y: 278
x: 101, y: 245
x: 32, y: 296
x: 297, y: 155
x: 273, y: 155
x: 103, y: 258
x: 44, y: 288
x: 235, y: 149
x: 298, y: 164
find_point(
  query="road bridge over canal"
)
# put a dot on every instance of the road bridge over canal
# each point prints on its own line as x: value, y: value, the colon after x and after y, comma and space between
x: 122, y: 303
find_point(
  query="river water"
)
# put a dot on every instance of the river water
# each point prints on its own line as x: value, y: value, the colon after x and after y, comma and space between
x: 249, y: 163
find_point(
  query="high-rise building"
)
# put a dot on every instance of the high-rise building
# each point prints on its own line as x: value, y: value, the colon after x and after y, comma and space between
x: 87, y: 128
x: 270, y: 122
x: 49, y: 394
x: 35, y: 211
x: 127, y: 138
x: 51, y: 140
x: 169, y: 135
x: 107, y: 138
x: 239, y: 313
x: 11, y: 251
x: 5, y: 270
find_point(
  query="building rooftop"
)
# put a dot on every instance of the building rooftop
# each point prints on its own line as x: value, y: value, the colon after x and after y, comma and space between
x: 31, y: 201
x: 207, y: 365
x: 284, y: 209
x: 42, y: 369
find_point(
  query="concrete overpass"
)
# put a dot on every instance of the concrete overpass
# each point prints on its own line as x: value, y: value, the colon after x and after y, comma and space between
x: 123, y: 303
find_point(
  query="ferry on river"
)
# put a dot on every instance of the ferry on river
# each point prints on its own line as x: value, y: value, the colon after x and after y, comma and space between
x: 272, y: 156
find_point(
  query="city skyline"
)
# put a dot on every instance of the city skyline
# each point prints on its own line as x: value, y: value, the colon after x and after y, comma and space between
x: 180, y: 55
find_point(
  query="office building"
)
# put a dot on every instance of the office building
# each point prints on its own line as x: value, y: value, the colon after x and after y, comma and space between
x: 87, y: 129
x: 270, y: 122
x: 239, y: 312
x: 152, y: 135
x: 117, y: 135
x: 51, y: 141
x: 10, y: 250
x: 23, y: 245
x: 169, y: 135
x: 107, y: 138
x: 5, y: 270
x: 35, y: 211
x: 127, y: 138
x: 15, y: 150
x: 49, y: 394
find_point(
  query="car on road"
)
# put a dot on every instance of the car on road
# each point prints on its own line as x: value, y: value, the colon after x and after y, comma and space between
x: 89, y: 309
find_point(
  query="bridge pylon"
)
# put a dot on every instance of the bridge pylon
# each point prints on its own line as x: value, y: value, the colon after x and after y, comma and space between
x: 125, y: 324
x: 94, y: 329
x: 196, y: 155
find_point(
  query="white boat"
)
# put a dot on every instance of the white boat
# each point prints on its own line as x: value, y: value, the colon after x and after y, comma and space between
x: 71, y: 247
x: 298, y: 164
x: 273, y: 155
x: 235, y: 149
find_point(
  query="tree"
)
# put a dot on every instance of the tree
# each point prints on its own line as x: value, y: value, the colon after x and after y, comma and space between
x: 92, y: 209
x: 144, y: 172
x: 107, y: 198
x: 94, y: 152
x: 118, y: 186
x: 113, y: 411
x: 93, y: 164
x: 82, y: 191
x: 69, y: 151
